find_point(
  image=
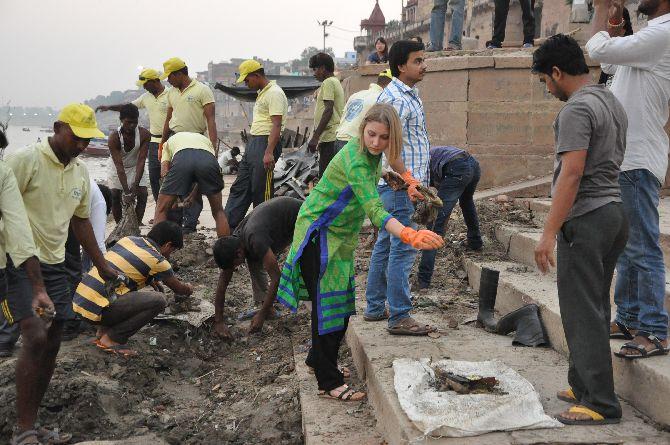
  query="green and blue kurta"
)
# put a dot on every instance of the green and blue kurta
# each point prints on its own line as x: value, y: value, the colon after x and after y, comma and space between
x: 333, y: 215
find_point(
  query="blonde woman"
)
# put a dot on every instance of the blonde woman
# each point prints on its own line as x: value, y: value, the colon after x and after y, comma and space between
x: 320, y: 264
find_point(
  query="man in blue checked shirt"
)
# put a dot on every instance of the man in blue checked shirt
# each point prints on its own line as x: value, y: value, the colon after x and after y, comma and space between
x: 391, y: 261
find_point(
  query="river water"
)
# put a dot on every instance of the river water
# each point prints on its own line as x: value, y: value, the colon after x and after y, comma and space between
x: 18, y: 139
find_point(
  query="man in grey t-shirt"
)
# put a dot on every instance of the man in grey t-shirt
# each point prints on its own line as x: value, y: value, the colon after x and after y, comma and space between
x: 588, y: 219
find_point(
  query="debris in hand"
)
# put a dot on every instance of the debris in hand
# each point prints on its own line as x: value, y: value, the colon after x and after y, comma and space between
x: 426, y: 210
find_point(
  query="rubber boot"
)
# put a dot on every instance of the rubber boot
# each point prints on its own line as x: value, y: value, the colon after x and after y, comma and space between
x: 526, y: 324
x: 488, y: 290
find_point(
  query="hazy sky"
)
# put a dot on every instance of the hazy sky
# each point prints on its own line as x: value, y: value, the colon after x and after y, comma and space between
x: 59, y: 51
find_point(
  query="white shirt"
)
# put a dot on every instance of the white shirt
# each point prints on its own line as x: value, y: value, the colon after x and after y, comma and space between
x: 223, y: 161
x: 98, y: 216
x: 355, y: 110
x: 642, y: 85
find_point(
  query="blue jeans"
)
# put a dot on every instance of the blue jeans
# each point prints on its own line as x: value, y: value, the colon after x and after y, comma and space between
x: 437, y: 19
x: 458, y: 184
x: 391, y: 262
x: 640, y: 286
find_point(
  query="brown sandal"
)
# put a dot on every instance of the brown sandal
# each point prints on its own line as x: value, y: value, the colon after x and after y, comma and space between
x: 346, y: 395
x: 409, y: 326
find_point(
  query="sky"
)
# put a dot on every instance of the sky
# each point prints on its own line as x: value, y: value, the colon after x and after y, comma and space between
x: 59, y: 51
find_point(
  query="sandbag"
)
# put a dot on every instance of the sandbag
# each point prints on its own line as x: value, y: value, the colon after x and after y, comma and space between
x: 128, y: 226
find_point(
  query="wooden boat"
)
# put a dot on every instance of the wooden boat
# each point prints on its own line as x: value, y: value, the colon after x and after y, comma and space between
x: 97, y: 148
x: 293, y: 86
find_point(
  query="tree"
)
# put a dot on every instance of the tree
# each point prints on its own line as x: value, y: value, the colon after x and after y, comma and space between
x: 302, y: 64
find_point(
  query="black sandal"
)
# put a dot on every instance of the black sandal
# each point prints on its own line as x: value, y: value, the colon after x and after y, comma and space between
x: 659, y: 349
x: 623, y: 334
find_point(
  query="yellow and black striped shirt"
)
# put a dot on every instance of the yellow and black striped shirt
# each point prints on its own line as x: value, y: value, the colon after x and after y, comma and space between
x: 137, y: 258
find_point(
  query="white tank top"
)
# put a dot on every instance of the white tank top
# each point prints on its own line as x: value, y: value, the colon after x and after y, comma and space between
x: 129, y: 157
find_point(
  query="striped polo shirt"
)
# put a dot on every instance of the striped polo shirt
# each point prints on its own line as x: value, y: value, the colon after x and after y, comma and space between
x: 415, y: 143
x: 136, y: 257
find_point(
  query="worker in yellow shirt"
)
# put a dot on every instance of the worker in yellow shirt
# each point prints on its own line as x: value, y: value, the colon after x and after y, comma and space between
x: 328, y: 111
x: 55, y: 188
x: 254, y: 182
x: 190, y: 108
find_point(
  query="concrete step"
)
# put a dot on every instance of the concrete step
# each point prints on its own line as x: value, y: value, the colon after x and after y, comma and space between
x: 520, y: 243
x: 328, y: 422
x: 540, y: 209
x: 531, y: 188
x: 374, y: 350
x: 644, y: 383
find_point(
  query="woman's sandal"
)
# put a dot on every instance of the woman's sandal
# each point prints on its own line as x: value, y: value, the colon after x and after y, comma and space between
x: 658, y: 349
x: 622, y: 332
x: 567, y: 396
x: 29, y: 437
x: 409, y: 326
x: 594, y: 418
x: 346, y: 395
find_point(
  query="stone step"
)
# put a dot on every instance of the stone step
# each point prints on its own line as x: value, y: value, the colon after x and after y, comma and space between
x: 374, y: 350
x: 540, y: 209
x: 537, y: 187
x: 643, y: 383
x: 520, y: 243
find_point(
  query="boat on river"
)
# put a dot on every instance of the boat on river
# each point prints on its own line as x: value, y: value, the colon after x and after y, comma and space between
x: 97, y: 148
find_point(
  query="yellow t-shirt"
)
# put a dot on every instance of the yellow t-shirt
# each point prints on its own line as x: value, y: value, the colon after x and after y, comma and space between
x: 187, y: 107
x: 331, y: 89
x: 157, y: 109
x: 271, y: 101
x: 355, y: 110
x: 15, y: 236
x: 52, y: 194
x: 185, y: 139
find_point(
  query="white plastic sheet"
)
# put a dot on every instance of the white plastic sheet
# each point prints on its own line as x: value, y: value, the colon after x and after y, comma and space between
x: 459, y: 415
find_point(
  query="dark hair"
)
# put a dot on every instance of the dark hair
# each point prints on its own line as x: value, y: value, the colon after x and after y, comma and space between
x: 107, y: 194
x: 322, y: 59
x: 399, y: 54
x: 235, y: 151
x: 129, y: 111
x: 184, y: 71
x: 386, y: 45
x: 225, y: 251
x: 3, y: 140
x: 562, y: 52
x: 167, y: 232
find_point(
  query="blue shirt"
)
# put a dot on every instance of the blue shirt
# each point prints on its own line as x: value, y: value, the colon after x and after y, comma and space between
x: 415, y: 143
x: 439, y: 156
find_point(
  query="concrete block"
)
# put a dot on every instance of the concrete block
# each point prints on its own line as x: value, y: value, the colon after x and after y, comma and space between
x: 447, y: 123
x: 498, y: 170
x: 465, y: 62
x: 500, y: 85
x: 444, y: 86
x: 498, y: 123
x: 517, y: 61
x: 528, y: 189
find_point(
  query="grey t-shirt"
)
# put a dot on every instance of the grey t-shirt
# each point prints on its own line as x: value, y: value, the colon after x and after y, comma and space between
x: 592, y: 119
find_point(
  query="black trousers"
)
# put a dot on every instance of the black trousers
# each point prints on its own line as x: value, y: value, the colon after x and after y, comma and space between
x: 253, y: 185
x: 130, y: 312
x: 500, y: 20
x: 322, y: 356
x: 154, y: 170
x: 326, y: 152
x: 588, y: 248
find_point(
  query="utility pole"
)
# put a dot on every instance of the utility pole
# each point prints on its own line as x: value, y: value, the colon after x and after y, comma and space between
x: 325, y: 24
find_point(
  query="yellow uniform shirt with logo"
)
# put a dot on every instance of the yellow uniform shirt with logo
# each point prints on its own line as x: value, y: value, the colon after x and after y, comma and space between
x: 180, y: 141
x: 271, y: 101
x: 136, y: 257
x: 52, y: 193
x: 16, y: 239
x: 331, y: 89
x: 187, y: 107
x: 355, y: 110
x: 156, y: 109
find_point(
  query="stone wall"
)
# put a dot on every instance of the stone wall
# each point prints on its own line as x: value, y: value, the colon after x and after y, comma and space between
x: 490, y: 105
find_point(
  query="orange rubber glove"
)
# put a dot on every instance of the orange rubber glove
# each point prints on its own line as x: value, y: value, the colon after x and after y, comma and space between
x: 422, y: 239
x: 412, y: 182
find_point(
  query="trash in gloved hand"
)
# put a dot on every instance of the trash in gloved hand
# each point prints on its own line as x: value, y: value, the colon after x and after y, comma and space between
x: 426, y: 210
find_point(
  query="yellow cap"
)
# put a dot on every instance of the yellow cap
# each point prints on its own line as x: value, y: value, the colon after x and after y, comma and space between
x: 146, y: 75
x: 386, y: 73
x: 81, y: 119
x: 172, y: 65
x: 247, y: 67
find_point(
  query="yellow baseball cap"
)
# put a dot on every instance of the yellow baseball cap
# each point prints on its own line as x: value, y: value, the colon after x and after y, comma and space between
x: 81, y: 119
x: 386, y: 73
x: 172, y: 65
x: 247, y: 67
x: 146, y: 75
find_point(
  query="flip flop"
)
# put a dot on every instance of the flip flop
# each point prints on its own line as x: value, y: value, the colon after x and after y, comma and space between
x: 121, y: 350
x: 569, y: 397
x: 346, y: 395
x: 595, y: 418
x: 409, y: 326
